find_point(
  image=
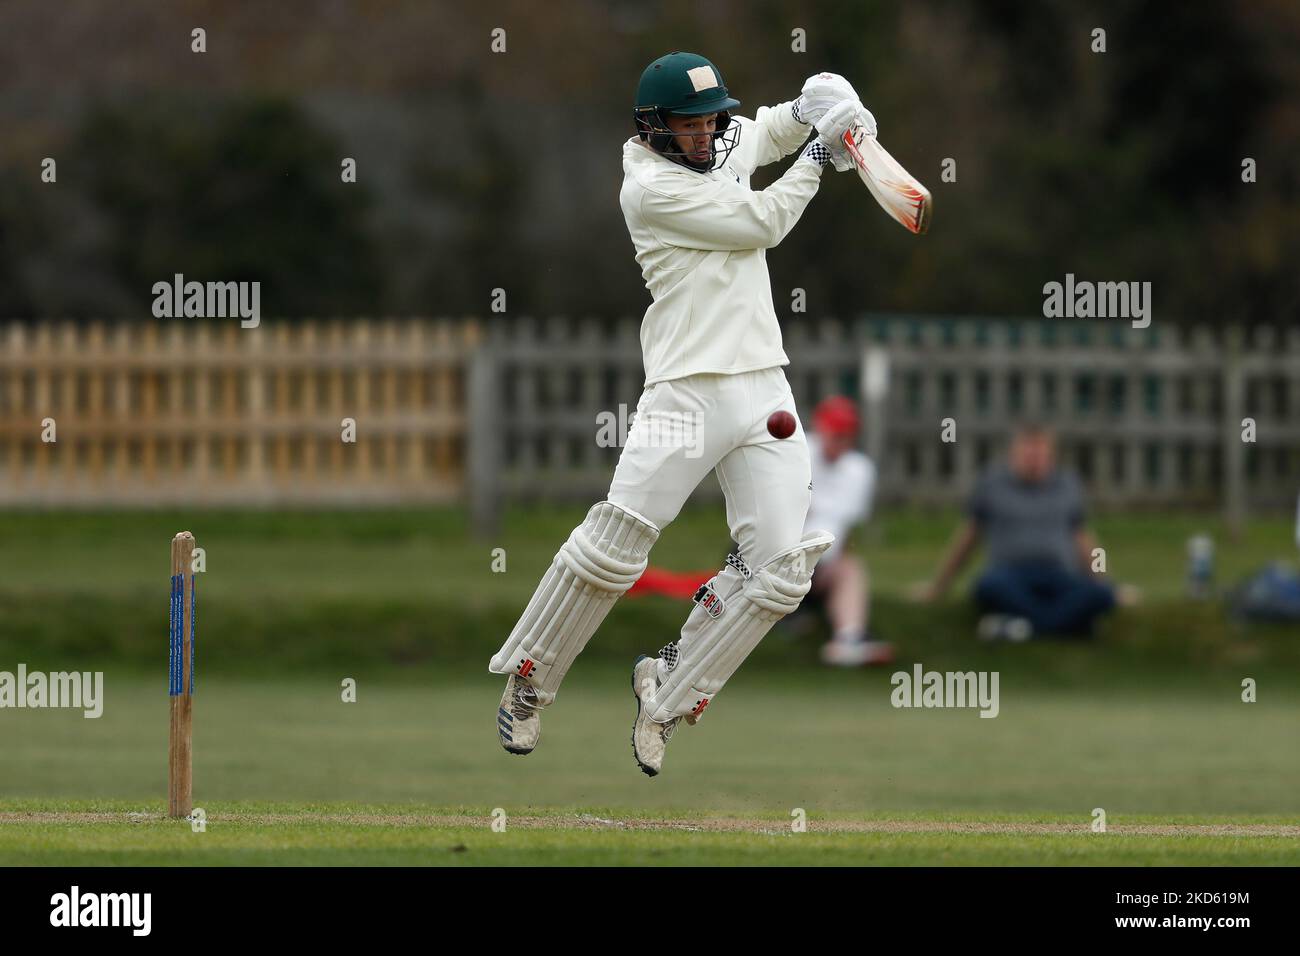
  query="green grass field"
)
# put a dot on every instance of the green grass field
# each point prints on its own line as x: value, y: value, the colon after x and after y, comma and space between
x: 1145, y: 723
x: 359, y: 835
x: 831, y: 745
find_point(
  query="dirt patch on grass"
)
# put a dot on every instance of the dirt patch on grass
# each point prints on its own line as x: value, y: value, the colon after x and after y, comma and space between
x: 702, y: 825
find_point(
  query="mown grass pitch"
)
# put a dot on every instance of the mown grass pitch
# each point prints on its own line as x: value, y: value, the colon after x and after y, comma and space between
x: 288, y: 774
x: 830, y: 743
x: 1146, y: 723
x: 123, y: 834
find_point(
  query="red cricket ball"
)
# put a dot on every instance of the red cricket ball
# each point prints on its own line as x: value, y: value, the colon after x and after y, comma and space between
x: 780, y: 424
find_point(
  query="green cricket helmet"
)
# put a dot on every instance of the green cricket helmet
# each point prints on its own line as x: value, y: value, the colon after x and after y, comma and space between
x: 684, y: 84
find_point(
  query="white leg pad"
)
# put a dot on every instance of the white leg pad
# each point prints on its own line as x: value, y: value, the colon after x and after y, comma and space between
x: 725, y: 626
x: 602, y: 558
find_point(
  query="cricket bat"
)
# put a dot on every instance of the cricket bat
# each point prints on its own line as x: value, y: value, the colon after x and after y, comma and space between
x: 897, y: 191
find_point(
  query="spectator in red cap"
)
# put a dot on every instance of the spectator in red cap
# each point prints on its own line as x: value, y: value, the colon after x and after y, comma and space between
x: 843, y: 484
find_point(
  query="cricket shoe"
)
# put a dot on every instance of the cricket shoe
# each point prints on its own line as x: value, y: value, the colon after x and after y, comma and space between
x: 649, y: 737
x: 1005, y: 627
x: 857, y: 653
x: 519, y: 718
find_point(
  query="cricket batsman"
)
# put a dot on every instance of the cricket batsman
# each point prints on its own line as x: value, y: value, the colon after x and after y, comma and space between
x: 713, y: 356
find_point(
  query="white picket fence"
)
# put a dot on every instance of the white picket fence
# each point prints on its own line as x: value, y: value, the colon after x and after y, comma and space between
x: 199, y: 412
x: 1148, y: 417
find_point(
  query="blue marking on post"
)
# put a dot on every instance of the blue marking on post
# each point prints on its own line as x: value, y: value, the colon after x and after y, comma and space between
x: 175, y: 650
x: 171, y: 629
x: 194, y: 624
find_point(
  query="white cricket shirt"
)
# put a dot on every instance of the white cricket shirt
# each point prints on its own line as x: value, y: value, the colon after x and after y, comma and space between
x: 842, y: 493
x: 701, y: 241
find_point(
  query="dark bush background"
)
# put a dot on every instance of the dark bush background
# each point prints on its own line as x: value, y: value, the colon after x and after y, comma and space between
x: 481, y: 170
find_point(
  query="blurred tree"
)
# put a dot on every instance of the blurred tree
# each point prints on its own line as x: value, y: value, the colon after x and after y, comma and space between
x: 487, y: 170
x: 242, y: 190
x: 473, y: 169
x: 1123, y: 165
x: 20, y: 225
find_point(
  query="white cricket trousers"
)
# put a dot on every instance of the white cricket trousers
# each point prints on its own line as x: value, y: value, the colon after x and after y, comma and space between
x: 686, y: 427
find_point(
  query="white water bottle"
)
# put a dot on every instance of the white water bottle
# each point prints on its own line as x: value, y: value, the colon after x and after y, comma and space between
x: 1200, y: 566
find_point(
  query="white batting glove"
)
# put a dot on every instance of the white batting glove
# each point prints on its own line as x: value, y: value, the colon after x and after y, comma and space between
x: 867, y: 120
x: 819, y: 94
x: 859, y: 119
x: 829, y: 144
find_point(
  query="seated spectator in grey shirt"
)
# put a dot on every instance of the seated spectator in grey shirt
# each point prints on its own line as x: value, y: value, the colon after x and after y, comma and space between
x: 1030, y: 517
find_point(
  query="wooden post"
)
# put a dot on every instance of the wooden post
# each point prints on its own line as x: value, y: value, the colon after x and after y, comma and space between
x: 180, y: 795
